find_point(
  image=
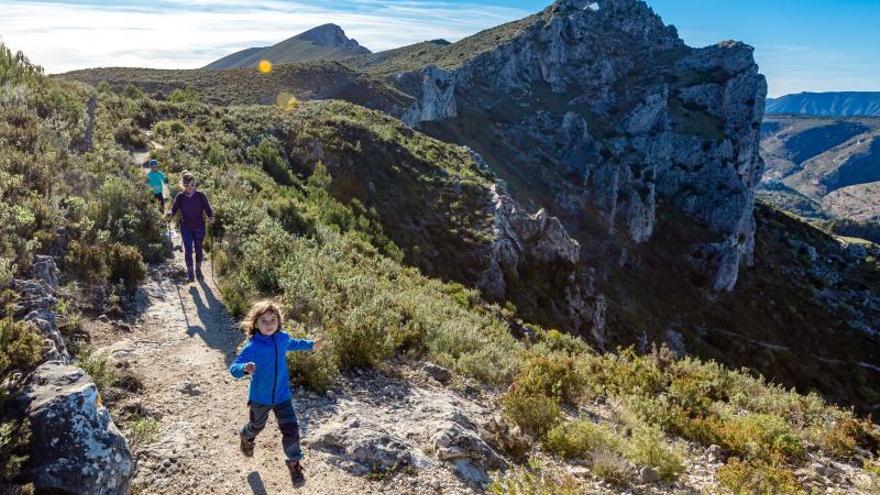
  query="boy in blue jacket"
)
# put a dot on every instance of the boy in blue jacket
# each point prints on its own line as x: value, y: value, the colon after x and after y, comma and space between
x: 264, y: 358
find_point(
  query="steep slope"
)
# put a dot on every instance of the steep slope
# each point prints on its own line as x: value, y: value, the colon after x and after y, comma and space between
x: 834, y: 163
x: 646, y: 151
x: 420, y: 385
x: 327, y: 42
x: 834, y: 104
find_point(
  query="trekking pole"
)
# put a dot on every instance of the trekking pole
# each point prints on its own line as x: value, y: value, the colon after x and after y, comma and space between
x: 211, y: 254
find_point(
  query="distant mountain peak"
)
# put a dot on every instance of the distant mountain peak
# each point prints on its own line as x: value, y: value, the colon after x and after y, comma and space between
x: 330, y: 35
x: 326, y: 42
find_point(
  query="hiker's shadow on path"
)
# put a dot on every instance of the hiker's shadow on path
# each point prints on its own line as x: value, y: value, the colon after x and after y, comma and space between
x: 219, y: 334
x: 256, y: 483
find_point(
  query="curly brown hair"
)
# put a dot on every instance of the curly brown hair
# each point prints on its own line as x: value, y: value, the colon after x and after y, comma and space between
x: 249, y: 324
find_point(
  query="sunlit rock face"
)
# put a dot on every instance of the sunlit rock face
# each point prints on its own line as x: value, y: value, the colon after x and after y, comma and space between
x: 610, y: 97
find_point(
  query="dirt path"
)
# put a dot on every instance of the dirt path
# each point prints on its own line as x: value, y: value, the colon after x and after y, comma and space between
x: 180, y: 348
x: 180, y: 345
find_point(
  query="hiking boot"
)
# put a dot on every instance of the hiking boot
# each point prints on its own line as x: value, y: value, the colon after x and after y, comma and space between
x: 190, y: 279
x: 247, y: 446
x: 296, y: 472
x: 199, y: 274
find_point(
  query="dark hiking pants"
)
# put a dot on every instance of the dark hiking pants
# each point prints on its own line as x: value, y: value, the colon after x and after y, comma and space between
x: 192, y: 238
x: 287, y: 423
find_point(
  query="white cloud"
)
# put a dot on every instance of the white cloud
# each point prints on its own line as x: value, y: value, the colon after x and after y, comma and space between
x: 63, y: 36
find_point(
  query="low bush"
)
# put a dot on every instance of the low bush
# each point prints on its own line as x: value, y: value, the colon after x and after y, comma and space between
x: 648, y: 447
x: 757, y: 477
x: 535, y: 414
x: 577, y: 439
x: 534, y: 480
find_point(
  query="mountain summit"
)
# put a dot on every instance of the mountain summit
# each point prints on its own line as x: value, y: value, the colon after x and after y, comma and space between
x: 326, y: 42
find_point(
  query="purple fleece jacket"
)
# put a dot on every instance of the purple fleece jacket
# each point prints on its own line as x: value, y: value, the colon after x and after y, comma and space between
x: 192, y: 210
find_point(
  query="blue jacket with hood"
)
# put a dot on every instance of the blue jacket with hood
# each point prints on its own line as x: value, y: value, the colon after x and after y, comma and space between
x: 270, y: 383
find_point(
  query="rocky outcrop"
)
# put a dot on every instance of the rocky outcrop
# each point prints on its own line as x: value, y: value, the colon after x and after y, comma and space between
x: 76, y: 448
x: 37, y: 304
x: 524, y: 243
x: 436, y: 90
x: 331, y: 35
x: 608, y: 95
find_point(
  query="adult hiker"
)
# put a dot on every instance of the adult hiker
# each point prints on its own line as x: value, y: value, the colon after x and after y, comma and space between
x: 193, y: 207
x: 157, y: 180
x: 263, y: 358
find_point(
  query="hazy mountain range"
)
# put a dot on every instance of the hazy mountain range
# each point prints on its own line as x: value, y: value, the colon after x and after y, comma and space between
x: 834, y: 104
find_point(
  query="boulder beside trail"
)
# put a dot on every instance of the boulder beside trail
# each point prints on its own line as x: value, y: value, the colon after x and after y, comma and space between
x: 76, y: 447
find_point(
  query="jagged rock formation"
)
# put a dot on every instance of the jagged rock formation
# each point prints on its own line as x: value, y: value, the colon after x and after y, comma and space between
x: 608, y: 96
x: 523, y: 241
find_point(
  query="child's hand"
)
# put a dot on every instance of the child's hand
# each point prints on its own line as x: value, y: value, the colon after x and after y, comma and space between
x: 250, y: 368
x: 318, y: 341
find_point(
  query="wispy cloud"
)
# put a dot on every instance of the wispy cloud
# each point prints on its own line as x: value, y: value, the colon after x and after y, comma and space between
x: 67, y: 35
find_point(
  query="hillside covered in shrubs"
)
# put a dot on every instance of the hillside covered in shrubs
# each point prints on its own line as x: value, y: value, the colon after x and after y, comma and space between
x: 347, y: 215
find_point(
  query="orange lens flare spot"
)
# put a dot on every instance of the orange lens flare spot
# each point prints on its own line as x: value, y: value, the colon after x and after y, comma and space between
x: 265, y: 66
x: 287, y: 101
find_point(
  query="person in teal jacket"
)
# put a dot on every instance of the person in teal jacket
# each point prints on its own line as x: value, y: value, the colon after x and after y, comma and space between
x: 157, y: 180
x: 264, y: 359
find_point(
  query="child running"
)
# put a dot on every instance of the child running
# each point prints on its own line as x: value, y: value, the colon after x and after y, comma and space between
x: 157, y: 180
x: 264, y: 358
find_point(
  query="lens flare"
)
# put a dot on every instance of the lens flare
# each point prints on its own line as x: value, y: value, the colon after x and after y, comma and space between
x: 265, y: 66
x: 286, y: 101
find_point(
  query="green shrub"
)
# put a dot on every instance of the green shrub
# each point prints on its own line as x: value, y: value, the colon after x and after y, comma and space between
x: 142, y: 431
x: 86, y: 262
x: 129, y: 135
x: 21, y: 346
x: 169, y: 128
x: 15, y: 67
x: 534, y: 413
x: 555, y: 341
x: 553, y: 375
x: 318, y: 370
x: 577, y: 439
x: 14, y: 441
x: 237, y: 296
x: 98, y: 367
x: 126, y: 264
x: 757, y: 477
x: 268, y: 157
x: 363, y: 337
x: 186, y: 94
x: 610, y: 466
x: 760, y: 436
x: 534, y: 480
x: 648, y: 447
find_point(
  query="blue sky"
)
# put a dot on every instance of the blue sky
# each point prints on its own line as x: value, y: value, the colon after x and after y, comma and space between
x: 801, y: 45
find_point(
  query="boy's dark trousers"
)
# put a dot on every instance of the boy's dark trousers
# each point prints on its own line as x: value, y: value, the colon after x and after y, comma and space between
x: 287, y: 423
